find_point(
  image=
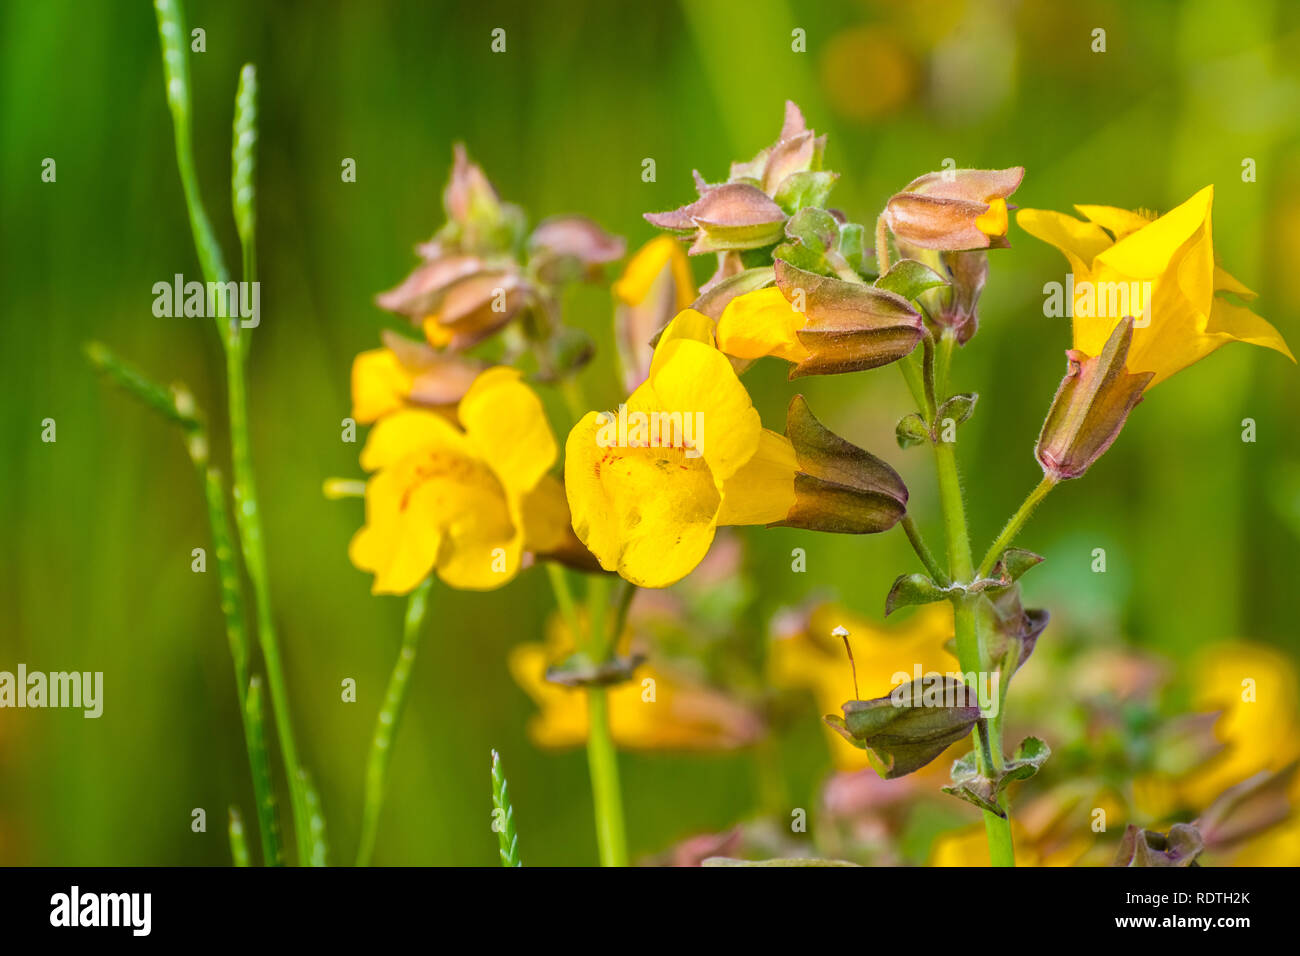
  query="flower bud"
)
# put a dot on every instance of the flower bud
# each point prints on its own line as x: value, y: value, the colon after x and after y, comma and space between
x: 850, y: 326
x: 565, y: 247
x: 727, y: 217
x: 954, y: 209
x: 1090, y: 407
x: 839, y: 487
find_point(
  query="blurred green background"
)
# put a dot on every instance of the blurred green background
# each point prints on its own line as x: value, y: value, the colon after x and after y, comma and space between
x: 1200, y: 529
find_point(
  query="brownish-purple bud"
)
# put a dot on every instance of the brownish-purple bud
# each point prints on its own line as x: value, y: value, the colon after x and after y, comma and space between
x: 1090, y: 407
x: 727, y: 217
x: 954, y: 209
x: 850, y: 326
x: 572, y: 247
x: 839, y: 487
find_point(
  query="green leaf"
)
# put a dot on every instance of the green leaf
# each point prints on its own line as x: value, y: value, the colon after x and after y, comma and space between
x: 910, y: 278
x: 853, y: 245
x: 971, y: 785
x: 958, y: 408
x: 804, y: 190
x: 911, y: 430
x: 912, y: 589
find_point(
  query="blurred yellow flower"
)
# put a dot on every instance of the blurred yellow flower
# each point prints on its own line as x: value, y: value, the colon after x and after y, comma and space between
x: 405, y: 373
x: 1255, y: 687
x: 809, y: 658
x: 658, y: 709
x: 969, y: 847
x: 463, y: 503
x: 655, y: 286
x: 1162, y: 272
x: 647, y: 504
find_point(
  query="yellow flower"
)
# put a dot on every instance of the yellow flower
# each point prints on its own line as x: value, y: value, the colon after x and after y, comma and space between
x: 811, y: 659
x: 1256, y: 689
x: 655, y: 286
x: 969, y: 847
x: 824, y: 325
x: 464, y: 503
x: 1163, y: 273
x: 658, y: 709
x: 647, y: 504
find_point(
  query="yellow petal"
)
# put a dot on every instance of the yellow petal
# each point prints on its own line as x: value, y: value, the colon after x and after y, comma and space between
x: 1119, y: 222
x: 647, y: 513
x: 762, y: 323
x: 1081, y: 242
x: 1226, y: 282
x: 379, y: 385
x: 407, y: 431
x: 437, y: 334
x: 1146, y: 253
x: 505, y: 421
x: 401, y: 537
x: 763, y: 490
x: 692, y: 378
x: 1242, y: 325
x: 687, y: 325
x: 993, y: 222
x: 547, y: 523
x: 660, y: 253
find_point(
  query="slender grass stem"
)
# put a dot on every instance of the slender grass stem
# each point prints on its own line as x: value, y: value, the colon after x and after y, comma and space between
x: 1014, y: 524
x: 238, y: 845
x: 173, y: 38
x: 177, y: 406
x: 504, y: 815
x: 389, y: 719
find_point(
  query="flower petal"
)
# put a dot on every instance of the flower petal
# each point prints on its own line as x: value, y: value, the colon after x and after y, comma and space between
x: 409, y: 430
x: 380, y: 385
x: 506, y: 423
x: 762, y: 491
x: 647, y: 513
x: 762, y: 323
x: 1081, y: 242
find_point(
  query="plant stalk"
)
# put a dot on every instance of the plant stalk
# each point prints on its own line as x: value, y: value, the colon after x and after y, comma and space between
x: 390, y: 719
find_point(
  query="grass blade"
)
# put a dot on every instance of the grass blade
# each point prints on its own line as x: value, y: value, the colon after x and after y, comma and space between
x: 238, y: 847
x: 389, y: 719
x: 503, y: 815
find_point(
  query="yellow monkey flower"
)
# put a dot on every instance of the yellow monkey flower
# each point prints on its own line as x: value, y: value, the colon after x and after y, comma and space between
x: 1145, y: 300
x: 465, y: 503
x: 647, y: 505
x: 1164, y: 270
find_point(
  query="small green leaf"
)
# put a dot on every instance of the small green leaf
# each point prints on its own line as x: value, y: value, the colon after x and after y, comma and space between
x: 853, y: 245
x: 805, y: 190
x: 911, y: 589
x: 911, y: 430
x: 958, y: 408
x: 910, y: 278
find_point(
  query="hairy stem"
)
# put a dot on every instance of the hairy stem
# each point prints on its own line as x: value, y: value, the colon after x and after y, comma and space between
x: 922, y: 550
x: 1014, y: 524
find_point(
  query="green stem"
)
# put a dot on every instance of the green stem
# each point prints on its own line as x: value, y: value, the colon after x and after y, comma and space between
x: 997, y: 829
x: 943, y: 362
x: 922, y: 551
x: 248, y: 521
x: 1016, y: 522
x: 606, y: 793
x: 390, y: 719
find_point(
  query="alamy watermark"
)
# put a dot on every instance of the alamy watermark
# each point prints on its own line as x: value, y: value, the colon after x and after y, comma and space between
x: 684, y: 430
x: 216, y: 300
x: 74, y: 689
x: 933, y: 689
x: 1098, y: 300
